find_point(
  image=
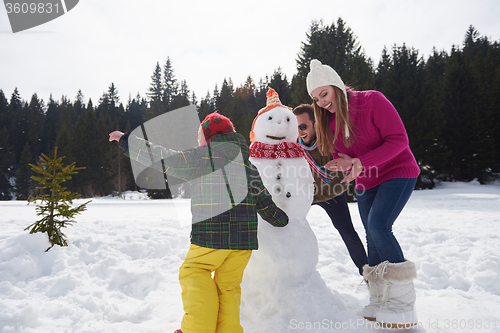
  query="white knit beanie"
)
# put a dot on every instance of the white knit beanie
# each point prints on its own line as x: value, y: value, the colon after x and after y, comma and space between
x: 323, y: 75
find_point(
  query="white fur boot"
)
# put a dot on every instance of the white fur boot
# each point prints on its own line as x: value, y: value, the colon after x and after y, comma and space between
x: 376, y: 288
x: 398, y: 299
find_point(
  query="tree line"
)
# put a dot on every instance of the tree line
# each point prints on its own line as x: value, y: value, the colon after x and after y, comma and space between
x: 449, y: 103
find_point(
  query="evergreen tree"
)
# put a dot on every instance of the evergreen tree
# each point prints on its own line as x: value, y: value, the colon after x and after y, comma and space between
x: 475, y: 44
x: 64, y: 141
x: 6, y: 164
x: 55, y: 204
x: 124, y: 179
x: 246, y: 94
x: 92, y: 152
x: 194, y: 100
x: 19, y: 125
x: 111, y: 108
x: 205, y: 109
x: 6, y: 150
x: 490, y: 86
x: 170, y: 86
x: 242, y: 118
x: 112, y: 94
x: 103, y: 164
x: 476, y: 49
x: 431, y: 121
x: 459, y: 97
x: 246, y: 90
x: 404, y: 86
x: 24, y: 183
x: 181, y: 99
x: 225, y: 101
x: 336, y: 46
x: 51, y: 127
x: 79, y: 104
x: 135, y: 111
x: 260, y: 93
x: 184, y: 89
x: 155, y: 93
x: 16, y: 103
x: 383, y: 69
x: 83, y: 184
x: 215, y: 97
x: 67, y: 114
x: 36, y: 123
x: 402, y: 79
x: 5, y: 115
x: 280, y: 84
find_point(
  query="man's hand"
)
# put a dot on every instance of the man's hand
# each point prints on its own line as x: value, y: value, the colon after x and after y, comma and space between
x: 116, y: 135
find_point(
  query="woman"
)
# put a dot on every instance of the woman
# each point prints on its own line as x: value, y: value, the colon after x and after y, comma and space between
x: 367, y: 138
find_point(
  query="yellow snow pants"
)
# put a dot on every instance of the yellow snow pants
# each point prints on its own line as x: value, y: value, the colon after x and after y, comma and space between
x: 212, y: 305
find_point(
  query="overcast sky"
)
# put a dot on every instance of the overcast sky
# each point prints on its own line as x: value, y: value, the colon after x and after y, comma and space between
x: 103, y: 41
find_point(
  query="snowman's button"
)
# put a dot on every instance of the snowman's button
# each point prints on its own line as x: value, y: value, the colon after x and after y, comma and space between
x: 288, y: 194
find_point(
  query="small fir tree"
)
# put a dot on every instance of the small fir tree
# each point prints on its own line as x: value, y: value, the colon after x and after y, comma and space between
x: 55, y: 207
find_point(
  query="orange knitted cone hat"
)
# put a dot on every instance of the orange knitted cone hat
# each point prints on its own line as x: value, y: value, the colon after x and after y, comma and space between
x: 273, y: 101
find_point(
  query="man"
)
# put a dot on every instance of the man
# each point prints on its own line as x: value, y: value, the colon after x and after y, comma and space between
x: 328, y: 189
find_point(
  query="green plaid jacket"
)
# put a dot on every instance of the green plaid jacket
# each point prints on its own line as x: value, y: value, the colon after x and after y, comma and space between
x: 227, y: 191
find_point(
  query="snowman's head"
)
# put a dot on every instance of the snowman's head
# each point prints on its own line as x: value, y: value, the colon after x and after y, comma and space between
x: 275, y: 123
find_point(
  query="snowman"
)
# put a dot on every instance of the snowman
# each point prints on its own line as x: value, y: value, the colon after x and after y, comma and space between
x: 287, y: 176
x: 283, y: 270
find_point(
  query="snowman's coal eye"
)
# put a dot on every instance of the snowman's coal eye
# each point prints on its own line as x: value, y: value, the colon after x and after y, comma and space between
x: 270, y: 118
x: 287, y: 119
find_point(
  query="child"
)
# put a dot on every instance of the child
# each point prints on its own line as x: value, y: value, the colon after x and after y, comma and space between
x: 222, y: 239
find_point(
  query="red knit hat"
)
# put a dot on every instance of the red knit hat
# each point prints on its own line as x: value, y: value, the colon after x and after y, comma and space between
x: 214, y: 123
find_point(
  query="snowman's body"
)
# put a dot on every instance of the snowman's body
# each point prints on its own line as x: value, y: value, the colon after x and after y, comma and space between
x: 283, y: 270
x: 290, y: 182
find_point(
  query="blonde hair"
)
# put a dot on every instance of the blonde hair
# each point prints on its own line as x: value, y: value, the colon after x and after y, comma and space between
x: 326, y: 141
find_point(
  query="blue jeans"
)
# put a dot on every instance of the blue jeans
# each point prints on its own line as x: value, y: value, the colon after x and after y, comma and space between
x: 338, y: 211
x: 379, y: 207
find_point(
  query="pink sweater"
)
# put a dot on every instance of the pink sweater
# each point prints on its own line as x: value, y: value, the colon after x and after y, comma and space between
x: 380, y: 140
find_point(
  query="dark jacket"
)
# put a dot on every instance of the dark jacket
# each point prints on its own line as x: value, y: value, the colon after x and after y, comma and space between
x: 322, y: 190
x: 227, y: 191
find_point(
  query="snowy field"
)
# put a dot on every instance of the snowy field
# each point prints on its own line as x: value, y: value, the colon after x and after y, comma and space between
x: 119, y: 272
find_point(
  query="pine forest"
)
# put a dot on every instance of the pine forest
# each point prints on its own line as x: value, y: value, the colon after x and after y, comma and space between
x: 449, y: 103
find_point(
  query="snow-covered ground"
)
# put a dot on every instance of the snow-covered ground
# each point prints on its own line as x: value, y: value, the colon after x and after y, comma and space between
x: 119, y: 272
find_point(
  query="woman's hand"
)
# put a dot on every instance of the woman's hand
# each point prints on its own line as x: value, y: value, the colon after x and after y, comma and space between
x: 116, y: 135
x: 344, y: 163
x: 357, y: 168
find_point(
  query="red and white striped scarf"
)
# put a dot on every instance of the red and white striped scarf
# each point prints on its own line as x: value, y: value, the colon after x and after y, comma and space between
x: 280, y: 150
